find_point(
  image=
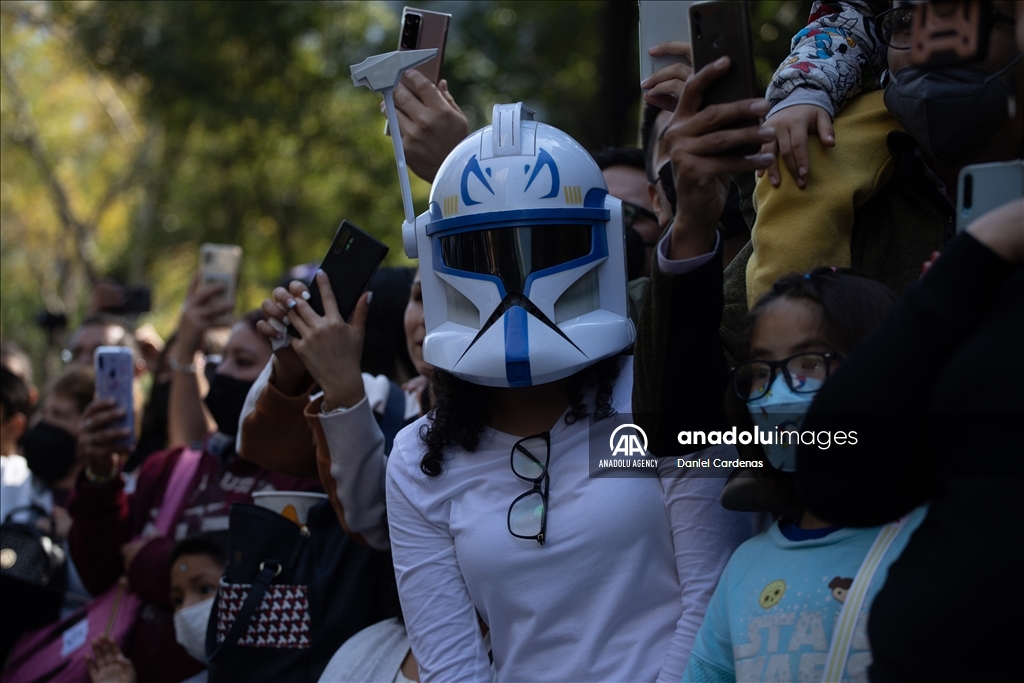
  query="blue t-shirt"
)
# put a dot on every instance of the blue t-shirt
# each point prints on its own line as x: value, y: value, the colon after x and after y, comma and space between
x: 772, y: 615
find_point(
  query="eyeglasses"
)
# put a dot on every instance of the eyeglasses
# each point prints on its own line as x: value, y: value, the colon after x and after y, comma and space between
x: 668, y: 184
x: 631, y: 213
x: 528, y: 514
x: 896, y: 25
x: 752, y: 379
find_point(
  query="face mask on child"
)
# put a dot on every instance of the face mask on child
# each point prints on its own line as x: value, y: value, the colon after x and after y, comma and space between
x: 780, y: 411
x: 190, y: 628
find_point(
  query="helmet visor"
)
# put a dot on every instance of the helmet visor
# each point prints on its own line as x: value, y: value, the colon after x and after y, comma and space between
x: 513, y: 253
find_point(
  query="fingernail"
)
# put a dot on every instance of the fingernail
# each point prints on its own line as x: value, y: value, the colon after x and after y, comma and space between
x: 369, y: 297
x: 286, y: 321
x: 760, y: 105
x: 721, y: 61
x: 291, y: 304
x: 830, y: 138
x: 651, y: 50
x: 767, y: 133
x: 305, y: 295
x: 802, y: 171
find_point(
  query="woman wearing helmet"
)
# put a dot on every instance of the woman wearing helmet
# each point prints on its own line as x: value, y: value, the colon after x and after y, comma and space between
x: 498, y: 522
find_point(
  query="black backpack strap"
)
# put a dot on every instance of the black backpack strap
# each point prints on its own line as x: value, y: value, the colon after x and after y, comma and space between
x: 268, y: 570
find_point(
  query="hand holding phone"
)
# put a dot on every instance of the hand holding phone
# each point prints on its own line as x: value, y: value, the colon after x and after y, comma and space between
x: 349, y: 265
x: 107, y: 428
x: 660, y: 23
x: 423, y: 29
x: 722, y: 29
x: 330, y: 348
x: 219, y: 263
x: 701, y: 151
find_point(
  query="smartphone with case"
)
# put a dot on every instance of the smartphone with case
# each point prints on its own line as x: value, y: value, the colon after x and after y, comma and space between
x: 722, y: 29
x: 350, y: 264
x: 115, y: 375
x: 984, y: 187
x: 661, y: 22
x: 423, y: 29
x: 219, y: 263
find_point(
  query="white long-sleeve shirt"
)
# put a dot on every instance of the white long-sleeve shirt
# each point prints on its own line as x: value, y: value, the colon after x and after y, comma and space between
x: 601, y: 600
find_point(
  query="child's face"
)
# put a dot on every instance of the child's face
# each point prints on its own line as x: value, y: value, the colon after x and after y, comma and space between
x: 194, y: 578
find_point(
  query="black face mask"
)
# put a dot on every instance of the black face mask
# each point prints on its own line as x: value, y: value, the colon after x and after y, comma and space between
x: 225, y: 402
x: 49, y: 451
x: 950, y: 111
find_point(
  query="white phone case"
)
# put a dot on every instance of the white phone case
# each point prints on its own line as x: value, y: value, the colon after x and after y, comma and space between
x: 661, y: 22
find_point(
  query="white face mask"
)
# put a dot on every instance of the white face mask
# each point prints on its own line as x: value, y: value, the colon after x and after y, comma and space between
x: 782, y: 410
x: 190, y: 628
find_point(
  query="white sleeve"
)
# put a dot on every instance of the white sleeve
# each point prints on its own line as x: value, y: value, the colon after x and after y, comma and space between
x: 356, y: 446
x: 705, y: 535
x: 439, y: 614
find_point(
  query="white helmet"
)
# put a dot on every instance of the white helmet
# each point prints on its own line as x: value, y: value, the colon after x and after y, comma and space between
x: 522, y: 257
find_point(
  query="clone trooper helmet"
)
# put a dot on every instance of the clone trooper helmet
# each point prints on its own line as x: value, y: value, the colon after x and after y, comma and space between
x: 522, y: 257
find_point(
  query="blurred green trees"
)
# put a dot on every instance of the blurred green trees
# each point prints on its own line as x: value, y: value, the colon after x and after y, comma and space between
x: 134, y: 131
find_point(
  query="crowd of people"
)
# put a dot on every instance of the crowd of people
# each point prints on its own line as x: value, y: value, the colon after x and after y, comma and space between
x: 459, y: 527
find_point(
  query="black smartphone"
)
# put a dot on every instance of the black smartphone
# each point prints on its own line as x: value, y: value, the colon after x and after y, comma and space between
x: 350, y: 264
x: 720, y: 29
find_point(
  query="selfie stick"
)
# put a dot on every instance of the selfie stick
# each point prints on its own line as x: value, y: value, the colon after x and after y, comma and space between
x: 381, y: 73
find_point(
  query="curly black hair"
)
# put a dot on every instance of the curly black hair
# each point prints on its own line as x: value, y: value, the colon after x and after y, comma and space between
x: 462, y: 410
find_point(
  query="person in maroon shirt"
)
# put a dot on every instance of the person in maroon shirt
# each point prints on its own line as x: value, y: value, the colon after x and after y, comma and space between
x: 113, y: 532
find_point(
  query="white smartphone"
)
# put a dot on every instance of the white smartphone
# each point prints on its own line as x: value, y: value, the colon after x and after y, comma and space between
x: 219, y: 263
x: 115, y: 374
x: 661, y: 22
x: 984, y: 187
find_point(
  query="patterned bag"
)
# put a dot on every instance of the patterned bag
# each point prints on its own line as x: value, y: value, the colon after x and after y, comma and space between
x: 290, y: 596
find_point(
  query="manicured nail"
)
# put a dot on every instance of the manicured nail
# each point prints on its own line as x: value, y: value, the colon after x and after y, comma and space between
x: 369, y: 297
x: 305, y: 295
x: 802, y: 171
x: 286, y: 321
x: 830, y: 138
x: 721, y: 61
x: 291, y: 304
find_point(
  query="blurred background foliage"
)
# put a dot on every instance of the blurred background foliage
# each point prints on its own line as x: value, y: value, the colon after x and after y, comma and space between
x: 131, y: 132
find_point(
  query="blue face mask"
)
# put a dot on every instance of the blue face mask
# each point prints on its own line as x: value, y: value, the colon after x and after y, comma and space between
x: 779, y: 413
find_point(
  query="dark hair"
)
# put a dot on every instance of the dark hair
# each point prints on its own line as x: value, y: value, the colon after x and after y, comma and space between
x: 200, y: 544
x: 462, y: 409
x: 631, y: 157
x: 14, y: 358
x: 251, y: 318
x: 14, y: 394
x: 851, y: 305
x: 384, y: 348
x: 78, y: 382
x: 647, y: 119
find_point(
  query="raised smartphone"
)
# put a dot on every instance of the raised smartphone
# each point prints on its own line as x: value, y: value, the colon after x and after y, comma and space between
x: 115, y: 373
x: 720, y: 29
x: 219, y: 263
x: 661, y: 22
x: 423, y: 29
x: 984, y: 187
x: 350, y: 264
